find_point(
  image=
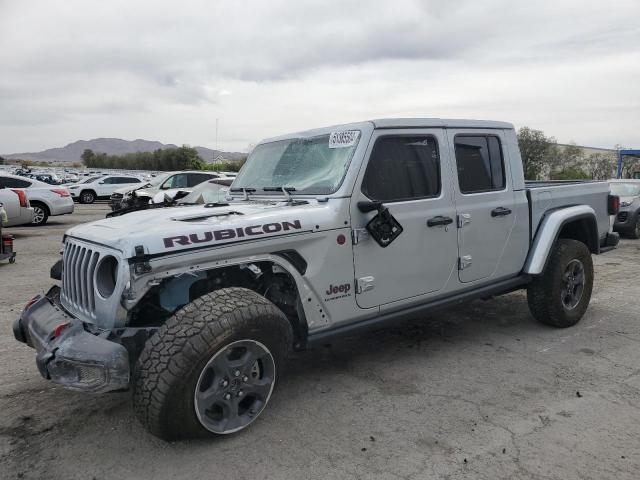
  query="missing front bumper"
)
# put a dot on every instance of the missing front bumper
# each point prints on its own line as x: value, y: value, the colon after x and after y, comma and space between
x: 71, y: 356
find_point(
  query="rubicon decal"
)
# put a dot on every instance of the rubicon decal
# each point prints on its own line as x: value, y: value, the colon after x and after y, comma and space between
x: 231, y: 233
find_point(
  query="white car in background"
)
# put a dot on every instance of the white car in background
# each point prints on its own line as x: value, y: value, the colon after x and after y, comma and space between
x: 170, y: 183
x: 16, y: 205
x: 102, y: 186
x: 46, y: 200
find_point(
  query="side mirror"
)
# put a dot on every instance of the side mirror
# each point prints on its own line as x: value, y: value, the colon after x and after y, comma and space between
x: 158, y: 198
x: 366, y: 207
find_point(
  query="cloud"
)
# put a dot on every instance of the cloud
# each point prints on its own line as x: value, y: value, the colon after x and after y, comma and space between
x: 165, y: 71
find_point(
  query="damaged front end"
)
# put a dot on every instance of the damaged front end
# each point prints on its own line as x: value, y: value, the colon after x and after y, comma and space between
x: 70, y: 352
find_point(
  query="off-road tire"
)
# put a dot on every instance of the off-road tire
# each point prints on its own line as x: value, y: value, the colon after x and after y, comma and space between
x: 172, y: 360
x: 42, y: 213
x: 544, y: 293
x: 87, y: 196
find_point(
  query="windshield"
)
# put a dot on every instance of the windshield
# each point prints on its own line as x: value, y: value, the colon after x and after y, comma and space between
x: 157, y: 181
x: 625, y: 189
x: 90, y: 179
x: 314, y: 166
x: 207, y: 192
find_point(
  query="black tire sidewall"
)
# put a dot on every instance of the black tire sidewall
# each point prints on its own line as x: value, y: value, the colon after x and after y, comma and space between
x: 187, y: 387
x: 173, y: 414
x: 86, y: 192
x: 549, y: 285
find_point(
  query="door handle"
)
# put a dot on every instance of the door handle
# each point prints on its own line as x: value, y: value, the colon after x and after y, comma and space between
x: 439, y: 221
x: 500, y: 212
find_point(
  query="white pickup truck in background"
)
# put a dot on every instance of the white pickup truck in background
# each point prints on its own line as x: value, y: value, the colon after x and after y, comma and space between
x: 325, y: 232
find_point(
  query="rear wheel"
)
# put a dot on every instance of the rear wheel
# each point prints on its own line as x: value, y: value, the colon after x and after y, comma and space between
x: 87, y: 196
x: 40, y: 213
x: 560, y: 296
x: 211, y: 368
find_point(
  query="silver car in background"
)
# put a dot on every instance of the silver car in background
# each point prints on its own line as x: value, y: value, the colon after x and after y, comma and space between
x: 46, y: 200
x: 627, y: 221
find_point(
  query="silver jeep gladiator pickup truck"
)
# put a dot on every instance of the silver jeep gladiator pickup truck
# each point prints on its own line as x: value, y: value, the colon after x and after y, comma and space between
x: 324, y: 232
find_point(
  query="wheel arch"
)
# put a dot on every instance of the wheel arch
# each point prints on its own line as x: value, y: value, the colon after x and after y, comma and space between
x: 288, y: 266
x: 91, y: 190
x: 576, y: 223
x: 43, y: 203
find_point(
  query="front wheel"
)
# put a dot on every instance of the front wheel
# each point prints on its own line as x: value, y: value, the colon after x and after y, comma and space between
x: 211, y: 368
x: 87, y: 196
x: 560, y: 295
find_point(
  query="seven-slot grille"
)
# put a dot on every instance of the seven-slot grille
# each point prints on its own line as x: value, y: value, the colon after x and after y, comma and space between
x: 79, y: 266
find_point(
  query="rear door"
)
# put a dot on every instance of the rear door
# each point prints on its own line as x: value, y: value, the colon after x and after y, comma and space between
x: 484, y: 201
x: 406, y: 170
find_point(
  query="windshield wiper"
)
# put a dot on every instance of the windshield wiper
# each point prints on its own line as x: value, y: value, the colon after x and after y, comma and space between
x: 284, y: 190
x: 245, y: 190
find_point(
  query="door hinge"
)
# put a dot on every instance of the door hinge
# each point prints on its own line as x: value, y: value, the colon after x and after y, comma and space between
x: 463, y: 219
x: 358, y: 235
x: 365, y: 284
x: 464, y: 262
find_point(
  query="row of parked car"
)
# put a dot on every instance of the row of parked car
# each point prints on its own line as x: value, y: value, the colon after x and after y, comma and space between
x: 27, y: 200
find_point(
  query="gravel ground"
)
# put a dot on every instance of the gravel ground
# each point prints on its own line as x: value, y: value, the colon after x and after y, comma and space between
x: 481, y: 391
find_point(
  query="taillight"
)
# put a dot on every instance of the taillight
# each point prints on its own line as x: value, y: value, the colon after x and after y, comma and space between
x: 22, y: 196
x: 63, y: 192
x: 31, y: 302
x: 613, y: 204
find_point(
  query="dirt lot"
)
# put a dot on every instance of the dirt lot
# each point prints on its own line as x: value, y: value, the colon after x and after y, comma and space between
x: 478, y: 392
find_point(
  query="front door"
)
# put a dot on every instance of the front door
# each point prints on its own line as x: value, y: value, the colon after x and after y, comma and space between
x: 408, y: 172
x: 484, y: 201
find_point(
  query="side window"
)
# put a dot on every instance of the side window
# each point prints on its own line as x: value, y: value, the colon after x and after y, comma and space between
x: 403, y: 168
x: 176, y: 181
x: 480, y: 163
x: 198, y: 178
x: 109, y: 180
x: 9, y: 182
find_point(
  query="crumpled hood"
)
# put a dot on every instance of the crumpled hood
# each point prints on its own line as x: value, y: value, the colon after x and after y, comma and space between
x: 165, y: 230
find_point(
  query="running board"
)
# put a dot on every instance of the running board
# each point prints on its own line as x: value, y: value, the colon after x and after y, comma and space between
x: 381, y: 321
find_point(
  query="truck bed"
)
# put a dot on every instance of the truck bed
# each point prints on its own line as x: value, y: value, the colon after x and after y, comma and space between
x: 548, y: 195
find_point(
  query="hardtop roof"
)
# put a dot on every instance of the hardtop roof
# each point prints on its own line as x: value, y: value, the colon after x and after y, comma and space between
x: 397, y: 123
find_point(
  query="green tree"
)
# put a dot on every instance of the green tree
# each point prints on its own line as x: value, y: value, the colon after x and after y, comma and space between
x: 566, y: 156
x: 536, y: 150
x: 601, y: 166
x: 570, y: 173
x: 1, y: 161
x: 87, y: 157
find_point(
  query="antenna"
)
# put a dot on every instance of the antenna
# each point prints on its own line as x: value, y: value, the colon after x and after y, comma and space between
x: 216, y: 134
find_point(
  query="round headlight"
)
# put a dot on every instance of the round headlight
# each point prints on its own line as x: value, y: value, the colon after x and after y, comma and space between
x: 107, y: 276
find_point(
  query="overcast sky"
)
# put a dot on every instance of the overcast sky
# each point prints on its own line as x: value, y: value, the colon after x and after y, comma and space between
x: 165, y: 70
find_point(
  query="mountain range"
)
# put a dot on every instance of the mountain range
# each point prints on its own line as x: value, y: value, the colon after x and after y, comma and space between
x: 113, y: 146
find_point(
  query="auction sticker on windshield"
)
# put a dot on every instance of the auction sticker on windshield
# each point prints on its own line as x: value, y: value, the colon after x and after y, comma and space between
x: 344, y: 139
